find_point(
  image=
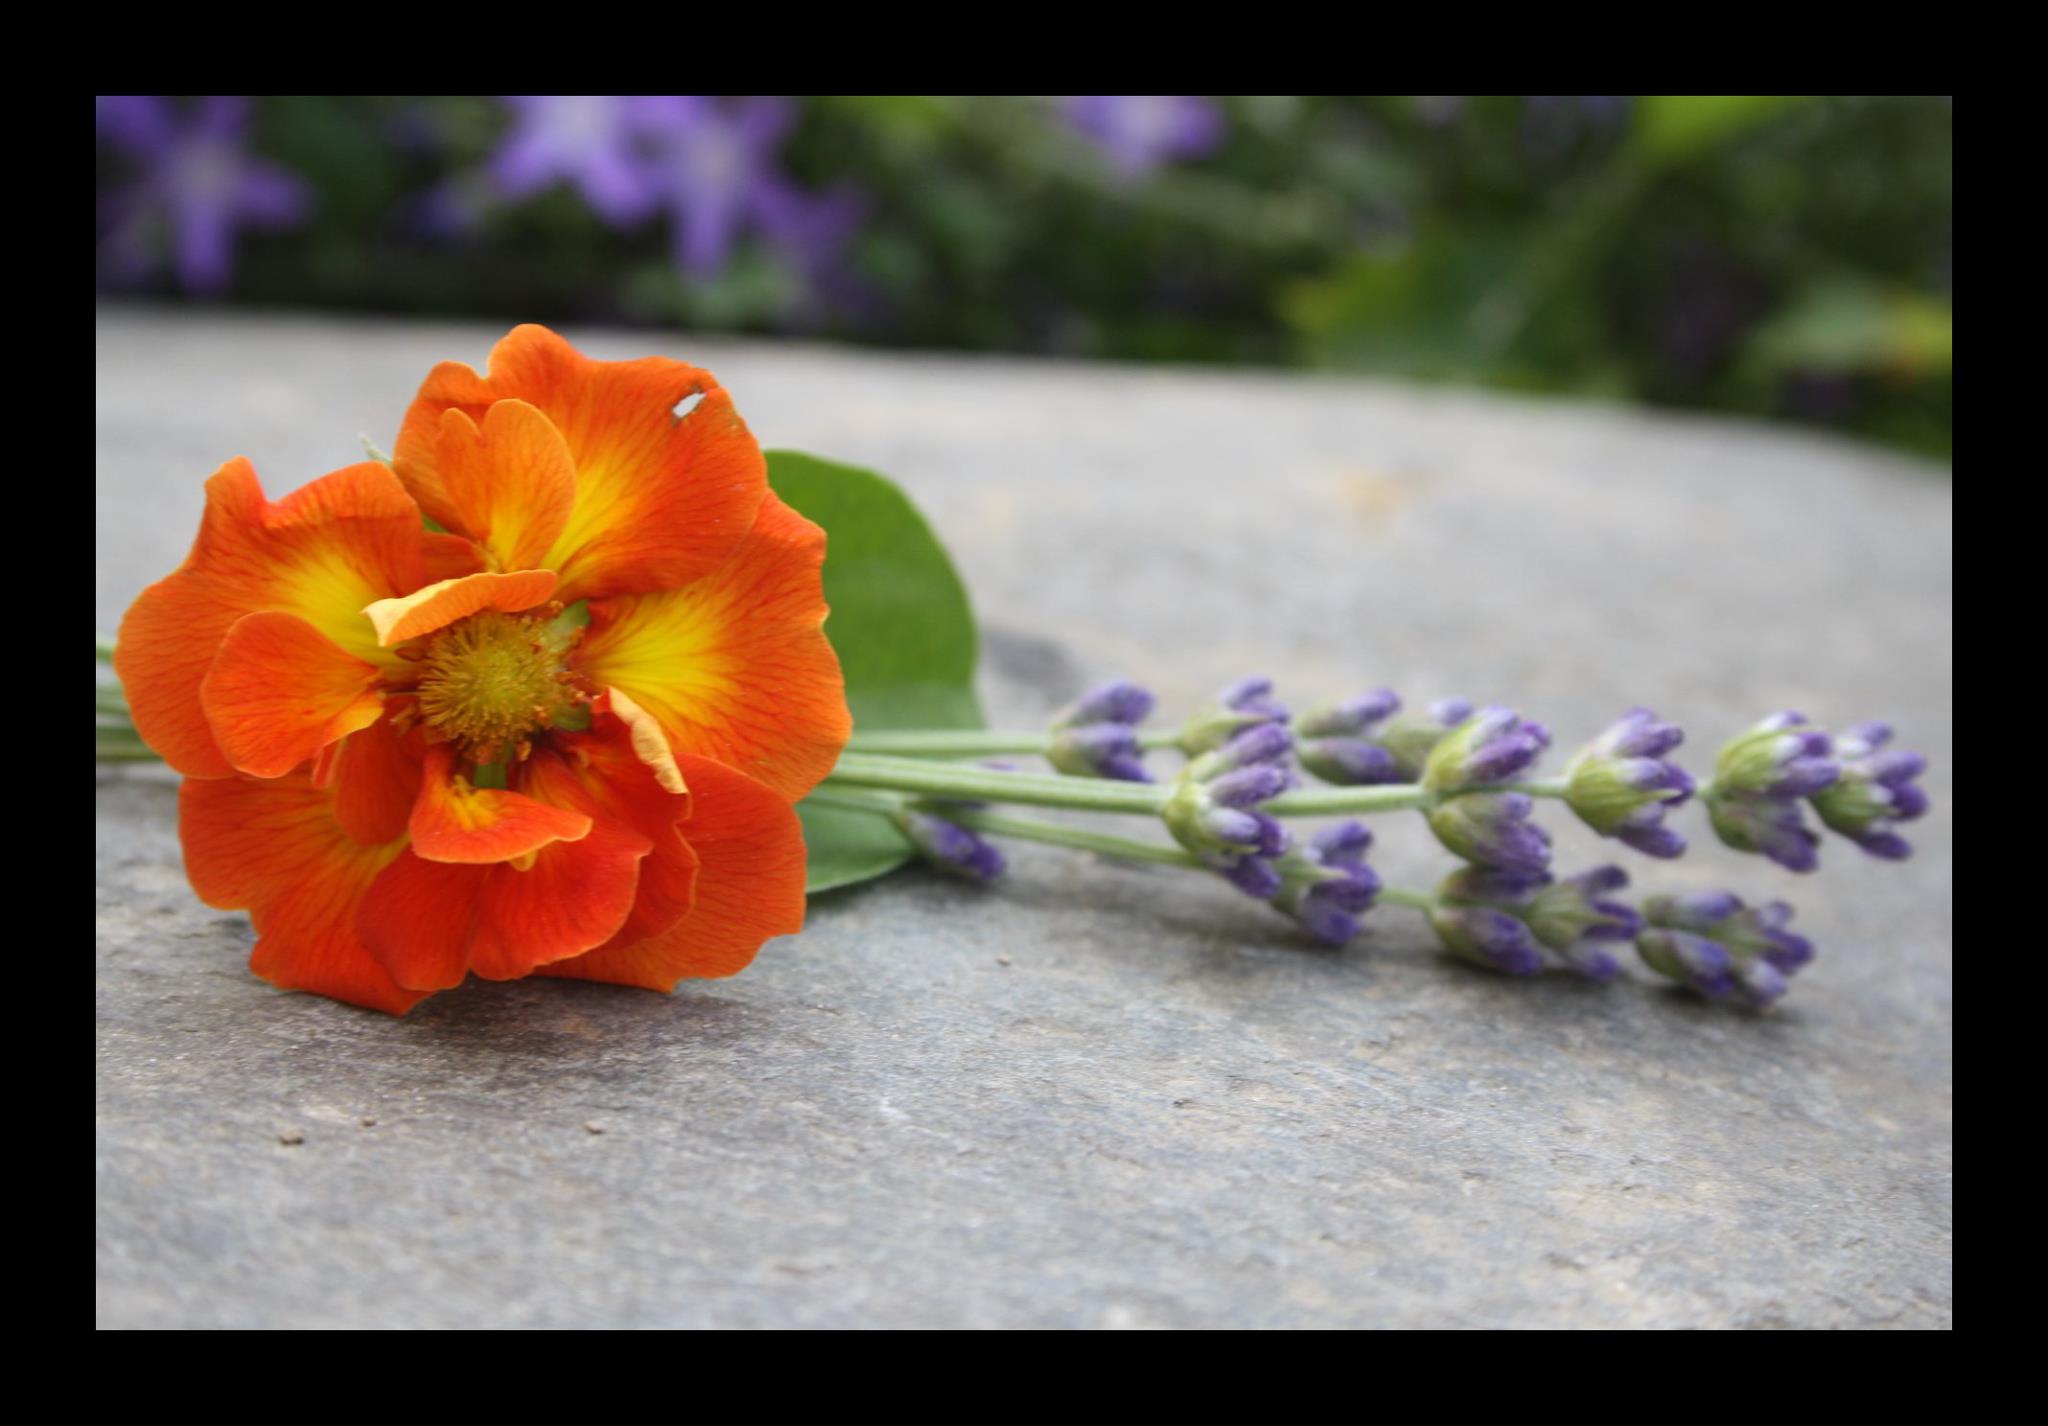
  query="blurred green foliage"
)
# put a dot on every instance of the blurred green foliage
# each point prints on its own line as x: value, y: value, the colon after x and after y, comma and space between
x: 1785, y: 256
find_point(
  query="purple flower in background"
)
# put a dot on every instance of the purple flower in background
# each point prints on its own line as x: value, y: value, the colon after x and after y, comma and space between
x: 1139, y: 132
x: 196, y: 179
x: 810, y: 231
x: 714, y: 170
x: 587, y: 140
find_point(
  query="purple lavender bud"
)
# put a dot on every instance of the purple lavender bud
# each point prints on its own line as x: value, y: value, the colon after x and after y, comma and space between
x: 1875, y: 791
x: 1269, y: 743
x: 1098, y: 750
x: 951, y: 848
x: 1781, y: 756
x: 1485, y: 937
x: 1762, y: 986
x: 1252, y: 695
x: 1490, y: 746
x: 1492, y: 829
x: 1342, y: 844
x: 1351, y: 717
x: 1621, y: 785
x: 1328, y: 885
x: 1638, y: 733
x: 1450, y: 712
x: 1350, y: 763
x: 1653, y: 841
x: 1249, y: 786
x: 1592, y: 960
x: 1255, y: 876
x: 1769, y: 826
x: 1691, y: 958
x: 1244, y: 704
x: 1762, y: 954
x: 1120, y: 701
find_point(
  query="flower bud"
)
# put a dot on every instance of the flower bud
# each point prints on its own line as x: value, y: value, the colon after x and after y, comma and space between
x: 1486, y: 937
x: 1758, y: 956
x: 1875, y: 790
x: 1571, y: 919
x: 1244, y: 704
x: 1490, y: 746
x: 1351, y: 718
x: 1328, y: 886
x: 950, y: 847
x: 1120, y: 701
x: 1621, y: 785
x: 1492, y: 829
x: 1098, y: 750
x: 1782, y: 756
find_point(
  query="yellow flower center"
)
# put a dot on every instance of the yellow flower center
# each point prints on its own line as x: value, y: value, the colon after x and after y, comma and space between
x: 490, y: 681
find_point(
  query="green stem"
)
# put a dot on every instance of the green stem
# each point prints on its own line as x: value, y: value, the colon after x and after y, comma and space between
x: 1079, y: 838
x: 103, y: 648
x: 973, y: 742
x: 980, y: 784
x: 1082, y: 839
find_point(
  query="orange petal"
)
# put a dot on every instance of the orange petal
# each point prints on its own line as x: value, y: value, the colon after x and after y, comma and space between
x: 511, y: 480
x: 418, y: 919
x: 448, y: 556
x: 321, y: 553
x: 280, y: 691
x: 736, y: 666
x: 429, y: 923
x: 377, y: 783
x: 600, y: 773
x: 649, y: 742
x: 660, y: 501
x: 750, y: 886
x: 439, y: 605
x: 574, y: 896
x: 276, y: 848
x: 455, y: 822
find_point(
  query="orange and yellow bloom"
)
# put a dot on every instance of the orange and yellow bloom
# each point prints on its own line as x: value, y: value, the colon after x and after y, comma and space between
x: 562, y: 732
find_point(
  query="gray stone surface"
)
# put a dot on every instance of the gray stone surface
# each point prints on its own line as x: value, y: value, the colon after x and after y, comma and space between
x: 1095, y: 1096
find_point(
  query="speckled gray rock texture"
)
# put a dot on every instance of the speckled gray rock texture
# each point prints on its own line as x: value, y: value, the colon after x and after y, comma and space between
x: 1096, y: 1096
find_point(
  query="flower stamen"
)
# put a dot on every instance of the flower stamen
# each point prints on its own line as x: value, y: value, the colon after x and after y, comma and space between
x: 489, y: 682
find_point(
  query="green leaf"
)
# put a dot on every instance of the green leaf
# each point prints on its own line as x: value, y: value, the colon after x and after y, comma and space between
x: 904, y: 632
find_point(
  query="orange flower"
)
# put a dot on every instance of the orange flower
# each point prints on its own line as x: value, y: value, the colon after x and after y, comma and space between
x: 565, y: 736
